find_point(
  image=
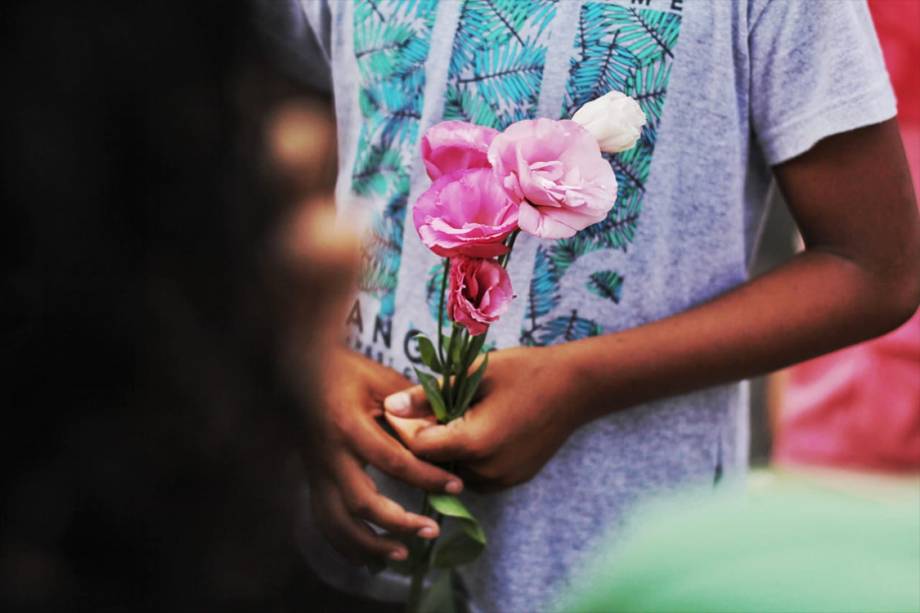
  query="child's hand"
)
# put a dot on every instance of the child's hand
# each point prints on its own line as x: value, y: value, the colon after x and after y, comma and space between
x: 526, y: 410
x: 344, y: 437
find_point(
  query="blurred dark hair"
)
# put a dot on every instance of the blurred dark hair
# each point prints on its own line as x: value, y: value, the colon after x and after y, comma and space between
x: 148, y: 443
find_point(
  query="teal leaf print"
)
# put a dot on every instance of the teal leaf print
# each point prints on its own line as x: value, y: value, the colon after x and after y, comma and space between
x: 510, y: 73
x: 618, y: 230
x: 650, y: 85
x: 621, y: 48
x: 566, y: 252
x: 497, y: 21
x: 567, y: 328
x: 377, y: 170
x: 607, y: 284
x: 497, y: 61
x: 544, y: 287
x: 465, y: 105
x: 433, y: 291
x: 649, y: 35
x: 391, y: 44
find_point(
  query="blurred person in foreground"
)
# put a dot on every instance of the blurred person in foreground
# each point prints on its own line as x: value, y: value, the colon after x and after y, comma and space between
x: 168, y: 254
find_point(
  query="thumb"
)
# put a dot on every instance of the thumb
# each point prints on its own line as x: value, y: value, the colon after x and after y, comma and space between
x: 408, y: 403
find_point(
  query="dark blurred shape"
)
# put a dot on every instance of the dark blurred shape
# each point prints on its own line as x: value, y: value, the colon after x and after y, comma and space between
x: 150, y: 436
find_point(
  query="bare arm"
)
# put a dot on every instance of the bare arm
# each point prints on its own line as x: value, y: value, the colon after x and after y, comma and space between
x: 858, y: 277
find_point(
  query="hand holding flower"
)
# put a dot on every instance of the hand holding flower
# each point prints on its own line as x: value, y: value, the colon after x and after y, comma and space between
x: 345, y: 437
x: 528, y: 407
x: 544, y: 177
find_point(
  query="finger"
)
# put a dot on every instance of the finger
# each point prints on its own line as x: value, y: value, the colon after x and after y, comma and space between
x: 449, y: 442
x: 407, y: 428
x: 386, y: 454
x: 408, y: 403
x: 476, y: 482
x: 362, y: 500
x: 352, y: 538
x: 386, y: 380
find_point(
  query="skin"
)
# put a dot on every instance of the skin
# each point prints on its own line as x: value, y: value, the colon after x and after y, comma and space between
x: 859, y: 276
x: 344, y: 439
x: 315, y: 253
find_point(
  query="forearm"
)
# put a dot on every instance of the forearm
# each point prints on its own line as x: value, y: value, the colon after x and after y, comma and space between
x: 852, y: 199
x: 816, y: 303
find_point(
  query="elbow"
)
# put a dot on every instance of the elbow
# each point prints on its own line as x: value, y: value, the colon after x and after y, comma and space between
x: 903, y: 307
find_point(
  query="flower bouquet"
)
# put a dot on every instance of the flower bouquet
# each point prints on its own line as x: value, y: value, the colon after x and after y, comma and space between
x: 544, y: 177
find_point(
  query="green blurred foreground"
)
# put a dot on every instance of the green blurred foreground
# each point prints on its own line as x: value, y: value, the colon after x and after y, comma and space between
x: 792, y: 543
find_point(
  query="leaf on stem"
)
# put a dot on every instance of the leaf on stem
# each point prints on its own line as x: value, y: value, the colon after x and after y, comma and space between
x: 430, y: 385
x: 461, y: 546
x: 455, y: 354
x: 429, y: 354
x: 454, y: 550
x: 451, y: 506
x: 468, y: 389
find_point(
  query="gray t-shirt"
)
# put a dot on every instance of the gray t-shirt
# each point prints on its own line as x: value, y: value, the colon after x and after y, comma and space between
x: 729, y: 88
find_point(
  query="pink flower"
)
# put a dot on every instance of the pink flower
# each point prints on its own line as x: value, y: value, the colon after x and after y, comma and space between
x: 465, y: 213
x: 480, y: 292
x: 555, y: 170
x: 455, y: 145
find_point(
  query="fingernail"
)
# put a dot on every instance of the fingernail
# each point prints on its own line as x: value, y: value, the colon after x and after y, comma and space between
x: 428, y: 532
x: 398, y: 403
x: 397, y: 555
x: 453, y: 487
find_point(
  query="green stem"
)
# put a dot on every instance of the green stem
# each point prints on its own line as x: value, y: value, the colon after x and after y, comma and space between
x: 503, y: 260
x: 413, y: 605
x: 441, y: 310
x: 464, y: 366
x: 448, y: 387
x: 420, y: 571
x: 415, y: 593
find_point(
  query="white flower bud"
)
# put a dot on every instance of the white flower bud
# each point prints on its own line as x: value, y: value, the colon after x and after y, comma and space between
x: 614, y: 119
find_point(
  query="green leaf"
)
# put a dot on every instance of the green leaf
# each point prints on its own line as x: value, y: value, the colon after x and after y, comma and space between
x: 429, y: 354
x: 455, y: 550
x: 473, y: 350
x: 451, y: 506
x: 458, y: 546
x: 469, y: 387
x: 456, y: 350
x: 430, y: 385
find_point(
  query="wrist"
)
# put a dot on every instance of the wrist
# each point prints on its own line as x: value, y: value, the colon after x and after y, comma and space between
x: 592, y: 369
x: 568, y: 371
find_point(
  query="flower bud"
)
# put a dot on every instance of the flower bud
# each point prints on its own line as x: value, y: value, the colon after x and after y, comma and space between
x: 614, y: 119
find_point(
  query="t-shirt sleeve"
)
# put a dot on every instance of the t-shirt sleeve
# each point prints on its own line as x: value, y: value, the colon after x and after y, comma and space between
x: 298, y: 36
x: 816, y: 70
